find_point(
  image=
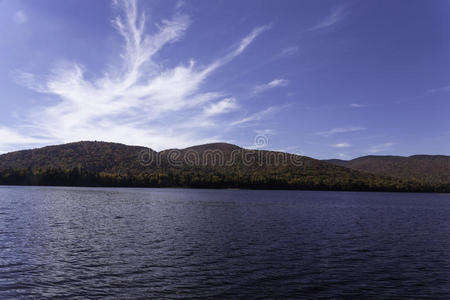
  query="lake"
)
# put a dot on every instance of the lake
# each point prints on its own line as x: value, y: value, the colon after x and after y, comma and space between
x: 186, y: 243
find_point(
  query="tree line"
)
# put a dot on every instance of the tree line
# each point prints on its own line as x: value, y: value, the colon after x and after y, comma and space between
x: 207, y: 178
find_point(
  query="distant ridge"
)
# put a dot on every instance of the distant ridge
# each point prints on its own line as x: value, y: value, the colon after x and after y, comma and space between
x: 217, y: 165
x: 424, y: 168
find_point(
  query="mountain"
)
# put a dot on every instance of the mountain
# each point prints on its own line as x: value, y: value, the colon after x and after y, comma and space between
x: 434, y: 169
x: 216, y: 165
x: 92, y: 156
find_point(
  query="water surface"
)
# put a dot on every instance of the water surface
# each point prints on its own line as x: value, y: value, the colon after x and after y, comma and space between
x: 184, y: 243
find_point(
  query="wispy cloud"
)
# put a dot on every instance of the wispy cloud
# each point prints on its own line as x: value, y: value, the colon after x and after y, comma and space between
x: 336, y: 16
x: 380, y: 148
x: 342, y: 145
x: 243, y: 44
x: 265, y: 132
x: 20, y: 17
x: 10, y: 137
x: 224, y: 106
x: 260, y: 115
x: 289, y: 51
x: 344, y: 156
x: 440, y: 89
x: 358, y: 105
x: 280, y: 82
x: 134, y: 102
x: 338, y: 130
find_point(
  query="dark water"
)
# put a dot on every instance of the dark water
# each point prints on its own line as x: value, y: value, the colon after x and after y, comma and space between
x: 179, y: 243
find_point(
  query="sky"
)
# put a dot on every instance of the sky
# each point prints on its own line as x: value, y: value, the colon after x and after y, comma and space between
x: 325, y: 79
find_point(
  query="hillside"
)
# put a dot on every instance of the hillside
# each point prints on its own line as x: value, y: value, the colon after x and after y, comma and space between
x: 92, y: 156
x: 217, y: 165
x: 424, y: 168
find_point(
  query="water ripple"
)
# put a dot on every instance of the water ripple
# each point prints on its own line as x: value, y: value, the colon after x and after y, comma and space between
x: 82, y: 243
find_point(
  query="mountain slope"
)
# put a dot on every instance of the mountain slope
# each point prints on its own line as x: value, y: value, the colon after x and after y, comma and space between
x: 423, y: 168
x: 92, y: 156
x: 218, y: 165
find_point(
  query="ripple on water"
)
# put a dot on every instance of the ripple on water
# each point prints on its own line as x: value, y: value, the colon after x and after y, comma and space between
x: 176, y: 243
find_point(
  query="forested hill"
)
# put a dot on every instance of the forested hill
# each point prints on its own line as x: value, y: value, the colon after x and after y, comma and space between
x: 217, y: 165
x: 91, y: 156
x: 433, y: 169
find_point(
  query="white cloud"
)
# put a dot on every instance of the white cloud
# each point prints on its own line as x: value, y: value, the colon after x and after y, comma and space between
x: 277, y: 83
x: 249, y: 39
x: 440, y: 89
x: 224, y: 106
x: 140, y: 101
x: 342, y: 145
x: 357, y: 105
x: 265, y: 132
x: 257, y: 116
x: 20, y: 17
x: 343, y: 156
x: 334, y: 131
x: 280, y: 82
x: 244, y: 43
x: 289, y: 51
x: 336, y: 16
x: 10, y: 137
x: 380, y: 148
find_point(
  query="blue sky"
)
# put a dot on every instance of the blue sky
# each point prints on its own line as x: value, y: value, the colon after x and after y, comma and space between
x: 326, y: 79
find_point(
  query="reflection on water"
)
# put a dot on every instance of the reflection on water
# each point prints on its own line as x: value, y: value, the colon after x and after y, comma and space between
x: 177, y: 243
